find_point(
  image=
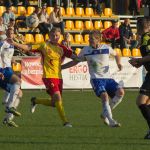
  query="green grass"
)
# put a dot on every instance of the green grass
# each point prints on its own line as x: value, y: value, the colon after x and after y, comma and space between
x: 43, y: 129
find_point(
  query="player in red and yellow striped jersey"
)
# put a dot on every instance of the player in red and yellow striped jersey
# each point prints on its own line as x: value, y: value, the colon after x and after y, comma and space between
x: 52, y: 54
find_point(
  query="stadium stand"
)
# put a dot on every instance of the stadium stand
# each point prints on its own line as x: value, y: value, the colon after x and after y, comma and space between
x: 118, y: 51
x: 136, y: 52
x: 126, y: 52
x: 78, y: 22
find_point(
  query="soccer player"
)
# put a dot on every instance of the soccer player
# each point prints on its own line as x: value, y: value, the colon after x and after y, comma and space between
x: 97, y: 57
x: 52, y: 53
x: 11, y: 82
x: 143, y: 99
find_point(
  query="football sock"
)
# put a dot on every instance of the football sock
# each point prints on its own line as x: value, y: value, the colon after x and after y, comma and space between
x: 5, y: 98
x: 61, y: 112
x: 107, y: 111
x: 145, y: 112
x: 115, y: 101
x: 14, y: 93
x: 43, y: 101
x: 16, y: 102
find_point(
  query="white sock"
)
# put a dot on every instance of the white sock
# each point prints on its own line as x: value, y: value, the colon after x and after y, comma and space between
x: 5, y: 98
x: 115, y: 101
x: 16, y: 102
x: 107, y: 111
x: 14, y: 93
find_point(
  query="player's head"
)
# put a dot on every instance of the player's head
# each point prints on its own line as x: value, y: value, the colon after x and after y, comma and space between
x: 143, y: 25
x: 54, y: 35
x: 2, y: 36
x: 10, y: 33
x: 94, y: 38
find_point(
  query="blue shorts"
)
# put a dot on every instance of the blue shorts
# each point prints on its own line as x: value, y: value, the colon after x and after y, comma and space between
x: 4, y: 84
x: 104, y: 85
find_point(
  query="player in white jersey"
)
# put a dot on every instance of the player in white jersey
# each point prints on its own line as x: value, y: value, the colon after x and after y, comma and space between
x: 97, y: 56
x: 12, y: 86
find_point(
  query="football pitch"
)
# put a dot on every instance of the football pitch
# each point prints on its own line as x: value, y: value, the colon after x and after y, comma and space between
x: 43, y: 130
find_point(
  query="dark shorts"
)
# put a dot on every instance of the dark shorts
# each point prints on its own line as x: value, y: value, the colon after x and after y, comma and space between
x: 145, y: 88
x: 104, y: 85
x: 4, y: 84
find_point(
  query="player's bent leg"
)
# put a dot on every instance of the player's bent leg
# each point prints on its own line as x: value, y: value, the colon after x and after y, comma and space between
x: 59, y: 106
x: 116, y: 100
x: 141, y: 102
x: 5, y: 98
x: 14, y: 94
x: 43, y: 101
x: 107, y: 110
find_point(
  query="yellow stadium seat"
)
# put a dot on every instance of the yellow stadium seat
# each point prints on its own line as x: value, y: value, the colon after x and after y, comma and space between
x: 16, y: 67
x: 71, y: 39
x: 13, y: 9
x: 30, y: 10
x: 79, y: 25
x: 62, y: 11
x: 69, y: 25
x: 29, y: 38
x: 88, y: 25
x: 86, y: 38
x: 61, y: 38
x: 79, y: 11
x: 98, y: 25
x: 136, y: 52
x: 126, y: 52
x: 21, y: 11
x: 39, y: 38
x: 118, y: 51
x: 89, y: 12
x: 46, y: 37
x: 70, y: 11
x: 2, y: 9
x: 49, y: 10
x: 108, y: 12
x: 78, y: 39
x: 107, y: 24
x: 77, y: 51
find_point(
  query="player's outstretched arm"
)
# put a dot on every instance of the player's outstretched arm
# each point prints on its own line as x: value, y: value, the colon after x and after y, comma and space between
x: 24, y: 47
x: 138, y: 62
x: 69, y: 64
x: 118, y: 61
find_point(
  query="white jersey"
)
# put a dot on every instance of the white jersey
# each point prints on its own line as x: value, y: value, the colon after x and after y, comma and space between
x: 98, y: 60
x: 6, y: 54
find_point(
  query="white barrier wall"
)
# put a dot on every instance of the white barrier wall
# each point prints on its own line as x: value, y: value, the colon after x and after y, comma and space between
x: 77, y: 77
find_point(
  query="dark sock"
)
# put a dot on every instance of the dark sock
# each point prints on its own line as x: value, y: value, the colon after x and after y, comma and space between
x: 145, y: 112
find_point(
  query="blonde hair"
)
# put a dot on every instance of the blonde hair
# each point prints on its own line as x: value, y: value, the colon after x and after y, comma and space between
x: 95, y: 34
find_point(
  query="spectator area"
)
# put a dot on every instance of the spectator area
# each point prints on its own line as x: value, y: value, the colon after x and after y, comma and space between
x: 78, y: 23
